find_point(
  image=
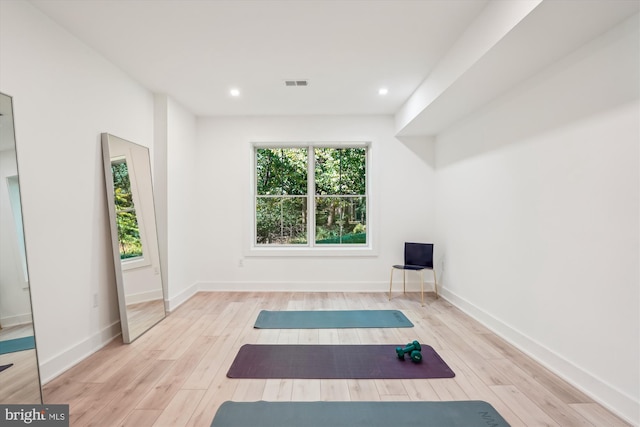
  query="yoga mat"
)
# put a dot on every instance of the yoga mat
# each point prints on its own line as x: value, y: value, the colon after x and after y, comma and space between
x: 358, y: 414
x: 334, y: 362
x: 3, y: 367
x: 330, y: 319
x: 17, y: 344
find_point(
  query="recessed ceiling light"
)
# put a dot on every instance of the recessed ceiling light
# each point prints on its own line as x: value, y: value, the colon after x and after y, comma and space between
x: 383, y: 91
x: 234, y: 92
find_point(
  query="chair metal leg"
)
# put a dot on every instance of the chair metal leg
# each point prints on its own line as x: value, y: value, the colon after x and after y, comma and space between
x: 422, y: 286
x: 391, y: 283
x: 435, y: 282
x: 404, y: 281
x: 404, y: 284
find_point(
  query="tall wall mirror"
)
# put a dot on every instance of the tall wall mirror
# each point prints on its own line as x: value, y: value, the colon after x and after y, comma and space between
x: 127, y: 168
x: 19, y: 371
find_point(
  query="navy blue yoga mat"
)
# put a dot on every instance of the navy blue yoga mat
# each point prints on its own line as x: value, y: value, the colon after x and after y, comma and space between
x: 330, y: 319
x: 334, y: 362
x: 17, y: 344
x: 358, y: 414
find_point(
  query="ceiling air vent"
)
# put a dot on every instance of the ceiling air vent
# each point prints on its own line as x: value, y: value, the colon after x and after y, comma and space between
x: 296, y: 83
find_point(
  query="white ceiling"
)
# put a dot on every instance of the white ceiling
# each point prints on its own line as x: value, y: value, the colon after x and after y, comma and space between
x: 196, y: 50
x: 551, y: 31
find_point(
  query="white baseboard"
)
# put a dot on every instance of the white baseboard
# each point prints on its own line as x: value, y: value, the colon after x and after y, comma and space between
x: 605, y: 394
x: 309, y: 286
x: 56, y: 365
x: 174, y: 302
x: 143, y: 297
x: 300, y: 286
x: 17, y: 320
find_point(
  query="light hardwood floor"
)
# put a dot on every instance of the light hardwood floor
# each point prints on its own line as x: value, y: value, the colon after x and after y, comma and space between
x: 20, y: 382
x: 175, y: 374
x: 144, y: 315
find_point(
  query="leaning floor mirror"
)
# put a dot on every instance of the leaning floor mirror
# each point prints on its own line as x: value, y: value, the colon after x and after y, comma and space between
x: 134, y: 235
x: 19, y: 371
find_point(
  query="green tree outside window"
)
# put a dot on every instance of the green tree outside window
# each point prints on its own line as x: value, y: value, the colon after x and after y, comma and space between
x: 126, y: 219
x: 339, y: 205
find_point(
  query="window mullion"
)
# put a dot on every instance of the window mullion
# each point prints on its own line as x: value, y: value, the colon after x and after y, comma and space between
x: 311, y: 200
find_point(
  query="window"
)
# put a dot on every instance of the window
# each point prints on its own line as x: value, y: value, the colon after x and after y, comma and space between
x: 129, y: 238
x: 311, y: 196
x: 13, y: 187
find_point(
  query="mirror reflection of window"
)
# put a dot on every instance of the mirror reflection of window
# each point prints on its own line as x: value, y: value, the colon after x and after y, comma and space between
x: 129, y: 237
x: 13, y: 188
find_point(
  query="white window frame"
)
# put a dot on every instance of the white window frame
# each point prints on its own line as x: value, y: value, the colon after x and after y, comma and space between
x: 311, y: 249
x: 145, y: 259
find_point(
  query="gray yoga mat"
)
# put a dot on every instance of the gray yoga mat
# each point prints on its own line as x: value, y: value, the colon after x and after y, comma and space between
x: 330, y: 319
x: 358, y: 414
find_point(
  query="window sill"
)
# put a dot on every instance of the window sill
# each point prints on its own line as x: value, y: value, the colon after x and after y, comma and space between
x: 289, y: 251
x: 134, y: 263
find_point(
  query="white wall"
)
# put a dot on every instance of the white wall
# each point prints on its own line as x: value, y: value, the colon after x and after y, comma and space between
x: 538, y: 217
x: 64, y: 97
x: 182, y: 195
x: 224, y: 162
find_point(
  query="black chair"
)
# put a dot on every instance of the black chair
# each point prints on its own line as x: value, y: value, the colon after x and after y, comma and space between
x: 417, y: 257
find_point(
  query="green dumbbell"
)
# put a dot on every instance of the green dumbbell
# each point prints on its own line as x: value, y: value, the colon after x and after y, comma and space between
x: 413, y: 349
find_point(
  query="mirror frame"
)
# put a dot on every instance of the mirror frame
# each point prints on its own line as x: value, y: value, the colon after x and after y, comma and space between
x: 106, y: 139
x: 10, y: 109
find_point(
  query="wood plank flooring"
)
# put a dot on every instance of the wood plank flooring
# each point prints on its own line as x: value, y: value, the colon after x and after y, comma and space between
x: 20, y: 382
x: 143, y: 315
x: 175, y: 374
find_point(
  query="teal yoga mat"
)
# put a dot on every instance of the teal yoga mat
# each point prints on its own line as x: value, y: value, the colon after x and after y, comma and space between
x: 331, y: 319
x: 358, y: 414
x: 17, y: 344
